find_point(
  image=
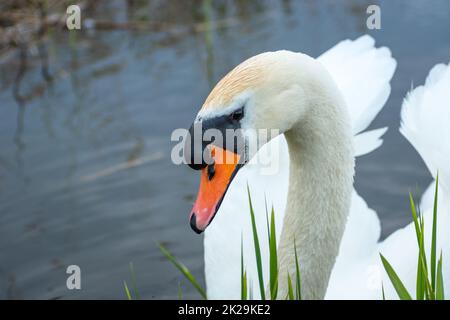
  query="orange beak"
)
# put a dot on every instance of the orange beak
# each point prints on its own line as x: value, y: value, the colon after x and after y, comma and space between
x: 214, y: 182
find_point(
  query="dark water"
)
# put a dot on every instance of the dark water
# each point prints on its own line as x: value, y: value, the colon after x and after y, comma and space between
x: 85, y: 170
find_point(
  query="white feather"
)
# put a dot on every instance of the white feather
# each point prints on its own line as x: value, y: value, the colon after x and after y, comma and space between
x: 368, y: 141
x: 426, y: 121
x: 425, y: 117
x: 362, y: 73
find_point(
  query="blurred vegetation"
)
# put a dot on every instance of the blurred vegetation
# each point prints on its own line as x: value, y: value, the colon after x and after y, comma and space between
x: 28, y: 26
x: 24, y: 21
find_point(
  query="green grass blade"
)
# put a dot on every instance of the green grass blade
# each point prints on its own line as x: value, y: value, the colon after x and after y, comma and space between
x: 273, y: 258
x: 396, y: 282
x: 290, y: 290
x: 183, y: 269
x: 415, y: 218
x: 429, y: 292
x: 244, y: 286
x: 433, y: 239
x: 267, y: 219
x: 425, y: 286
x: 420, y: 288
x: 127, y: 291
x: 243, y: 275
x: 422, y: 247
x: 298, y: 287
x: 257, y: 248
x: 382, y: 291
x: 439, y: 281
x: 421, y: 267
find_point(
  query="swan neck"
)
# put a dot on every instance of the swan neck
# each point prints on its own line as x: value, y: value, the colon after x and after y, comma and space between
x: 320, y: 185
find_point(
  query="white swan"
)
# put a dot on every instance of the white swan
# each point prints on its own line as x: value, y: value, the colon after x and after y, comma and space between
x: 425, y: 118
x: 296, y: 94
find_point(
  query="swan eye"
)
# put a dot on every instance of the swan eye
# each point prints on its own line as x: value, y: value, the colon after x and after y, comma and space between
x: 237, y: 115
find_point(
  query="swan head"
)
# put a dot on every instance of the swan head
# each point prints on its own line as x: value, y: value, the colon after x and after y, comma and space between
x: 262, y: 97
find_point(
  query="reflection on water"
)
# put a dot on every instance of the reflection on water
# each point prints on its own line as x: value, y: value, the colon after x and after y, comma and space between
x: 86, y: 117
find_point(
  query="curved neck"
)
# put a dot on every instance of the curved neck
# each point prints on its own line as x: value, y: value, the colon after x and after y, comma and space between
x: 320, y: 187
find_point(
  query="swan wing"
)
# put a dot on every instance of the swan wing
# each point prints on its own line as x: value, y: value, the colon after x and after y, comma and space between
x: 353, y: 276
x: 368, y: 141
x: 425, y: 116
x: 363, y: 73
x: 425, y: 119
